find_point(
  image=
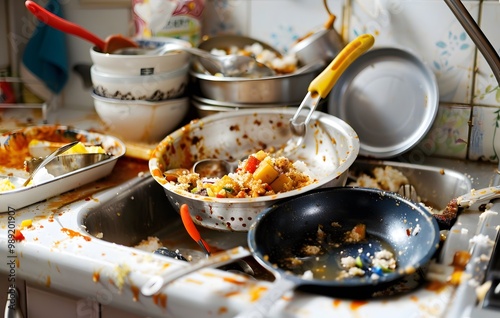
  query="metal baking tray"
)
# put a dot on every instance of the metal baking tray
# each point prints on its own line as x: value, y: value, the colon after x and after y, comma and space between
x: 14, y: 150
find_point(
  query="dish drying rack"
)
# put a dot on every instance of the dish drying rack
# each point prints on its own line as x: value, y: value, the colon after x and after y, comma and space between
x: 44, y: 107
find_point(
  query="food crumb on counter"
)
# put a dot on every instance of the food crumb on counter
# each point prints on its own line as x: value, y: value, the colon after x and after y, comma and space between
x: 121, y: 272
x: 150, y: 244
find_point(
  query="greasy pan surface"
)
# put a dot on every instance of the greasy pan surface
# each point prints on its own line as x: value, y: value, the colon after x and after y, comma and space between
x: 392, y: 222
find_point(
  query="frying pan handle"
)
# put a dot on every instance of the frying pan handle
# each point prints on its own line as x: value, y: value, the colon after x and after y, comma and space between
x: 156, y: 283
x: 60, y: 24
x: 261, y: 308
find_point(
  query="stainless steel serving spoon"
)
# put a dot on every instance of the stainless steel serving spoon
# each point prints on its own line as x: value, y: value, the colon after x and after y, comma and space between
x: 231, y: 65
x: 49, y: 159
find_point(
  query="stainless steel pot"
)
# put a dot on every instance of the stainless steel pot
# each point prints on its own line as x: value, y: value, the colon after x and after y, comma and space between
x: 289, y: 88
x: 321, y: 45
x: 284, y: 88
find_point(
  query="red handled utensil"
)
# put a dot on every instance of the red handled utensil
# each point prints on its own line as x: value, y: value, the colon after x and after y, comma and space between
x: 111, y: 44
x: 192, y: 230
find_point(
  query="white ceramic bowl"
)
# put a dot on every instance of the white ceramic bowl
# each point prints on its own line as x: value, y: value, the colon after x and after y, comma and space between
x: 154, y: 87
x: 136, y: 65
x: 141, y: 121
x: 330, y: 147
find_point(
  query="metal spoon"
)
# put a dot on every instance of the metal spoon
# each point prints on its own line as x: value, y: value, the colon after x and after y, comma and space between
x: 66, y: 163
x: 214, y: 168
x: 231, y: 65
x: 49, y: 159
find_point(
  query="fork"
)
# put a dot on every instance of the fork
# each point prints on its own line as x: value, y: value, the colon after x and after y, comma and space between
x: 408, y: 191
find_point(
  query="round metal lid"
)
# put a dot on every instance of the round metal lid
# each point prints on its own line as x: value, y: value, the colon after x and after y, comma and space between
x: 390, y: 98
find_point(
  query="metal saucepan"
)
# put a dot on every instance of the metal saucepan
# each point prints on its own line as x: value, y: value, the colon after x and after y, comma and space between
x: 320, y: 45
x: 322, y: 218
x: 283, y: 88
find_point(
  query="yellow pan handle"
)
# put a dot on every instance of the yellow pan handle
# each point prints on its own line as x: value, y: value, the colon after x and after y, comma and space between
x: 323, y: 83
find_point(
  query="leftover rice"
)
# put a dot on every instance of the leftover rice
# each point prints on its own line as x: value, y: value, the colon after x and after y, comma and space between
x: 258, y: 175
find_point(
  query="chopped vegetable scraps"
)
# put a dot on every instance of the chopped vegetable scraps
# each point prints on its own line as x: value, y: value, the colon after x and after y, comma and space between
x: 18, y: 236
x: 257, y: 175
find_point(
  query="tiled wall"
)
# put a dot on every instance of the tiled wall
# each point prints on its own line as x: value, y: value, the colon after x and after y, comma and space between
x: 467, y: 123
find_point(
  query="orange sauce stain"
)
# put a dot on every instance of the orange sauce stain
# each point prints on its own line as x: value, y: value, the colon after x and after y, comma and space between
x: 210, y: 274
x: 135, y: 292
x: 194, y: 281
x: 160, y: 300
x: 73, y: 234
x: 414, y: 298
x: 336, y: 302
x: 256, y: 292
x: 18, y: 262
x: 435, y: 286
x: 233, y: 281
x: 47, y: 282
x: 456, y: 277
x: 231, y: 293
x: 166, y: 265
x: 358, y: 304
x: 222, y: 310
x: 96, y: 276
x: 460, y: 260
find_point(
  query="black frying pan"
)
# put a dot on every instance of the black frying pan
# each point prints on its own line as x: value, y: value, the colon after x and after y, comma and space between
x: 392, y: 222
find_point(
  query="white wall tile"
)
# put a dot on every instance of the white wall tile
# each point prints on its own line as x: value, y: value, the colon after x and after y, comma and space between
x: 226, y: 16
x: 486, y: 90
x: 281, y: 22
x: 430, y: 30
x: 484, y: 142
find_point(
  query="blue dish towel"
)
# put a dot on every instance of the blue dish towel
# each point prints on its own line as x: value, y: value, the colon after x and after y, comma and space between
x: 45, y: 54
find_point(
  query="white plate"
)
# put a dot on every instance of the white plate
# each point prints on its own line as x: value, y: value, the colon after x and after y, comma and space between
x: 390, y: 98
x: 22, y: 197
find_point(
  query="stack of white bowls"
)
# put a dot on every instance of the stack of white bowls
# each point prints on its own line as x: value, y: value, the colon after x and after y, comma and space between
x: 141, y: 98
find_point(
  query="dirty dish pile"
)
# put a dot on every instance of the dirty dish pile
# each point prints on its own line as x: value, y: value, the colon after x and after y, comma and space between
x: 234, y: 135
x: 146, y: 90
x: 286, y: 88
x: 60, y: 175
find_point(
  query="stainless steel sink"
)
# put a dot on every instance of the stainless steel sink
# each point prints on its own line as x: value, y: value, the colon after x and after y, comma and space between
x: 140, y: 209
x: 435, y: 186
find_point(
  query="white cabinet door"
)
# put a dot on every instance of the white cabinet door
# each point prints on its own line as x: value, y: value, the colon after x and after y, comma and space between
x: 43, y: 303
x: 111, y: 312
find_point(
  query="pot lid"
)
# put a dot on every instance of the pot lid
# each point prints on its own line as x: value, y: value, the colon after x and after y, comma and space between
x: 390, y: 98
